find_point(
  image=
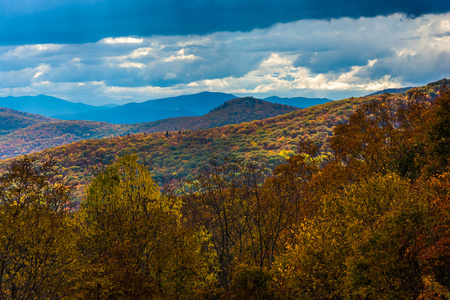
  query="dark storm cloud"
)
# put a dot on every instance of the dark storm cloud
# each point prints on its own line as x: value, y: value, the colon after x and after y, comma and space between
x: 80, y: 21
x: 315, y: 58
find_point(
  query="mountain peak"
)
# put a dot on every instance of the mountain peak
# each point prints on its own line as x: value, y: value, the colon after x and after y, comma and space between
x: 44, y: 105
x: 252, y: 106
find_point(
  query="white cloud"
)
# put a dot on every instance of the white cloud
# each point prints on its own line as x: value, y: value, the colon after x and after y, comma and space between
x: 293, y: 59
x: 181, y: 56
x: 122, y: 40
x: 39, y: 73
x: 145, y: 51
x: 275, y: 60
x: 128, y: 64
x: 30, y: 50
x: 277, y: 73
x: 195, y: 41
x: 39, y: 83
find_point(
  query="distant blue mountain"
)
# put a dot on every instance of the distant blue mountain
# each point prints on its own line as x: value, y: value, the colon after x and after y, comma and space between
x: 391, y: 91
x: 45, y: 105
x: 109, y: 105
x: 300, y: 102
x: 199, y: 104
x: 129, y: 116
x: 148, y: 111
x: 153, y: 110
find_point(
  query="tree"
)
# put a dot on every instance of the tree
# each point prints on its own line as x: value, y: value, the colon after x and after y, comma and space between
x: 35, y: 240
x: 212, y: 204
x: 384, y: 135
x: 339, y: 239
x: 249, y: 220
x: 433, y: 243
x: 439, y: 132
x: 133, y: 244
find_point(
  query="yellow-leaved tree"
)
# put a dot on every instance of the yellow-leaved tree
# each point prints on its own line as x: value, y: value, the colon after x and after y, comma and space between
x: 132, y: 243
x: 35, y: 240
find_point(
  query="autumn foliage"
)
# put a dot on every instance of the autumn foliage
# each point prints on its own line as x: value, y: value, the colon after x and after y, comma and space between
x: 366, y: 216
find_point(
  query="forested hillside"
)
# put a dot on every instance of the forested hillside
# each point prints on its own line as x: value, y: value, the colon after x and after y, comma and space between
x: 45, y: 105
x: 301, y: 102
x: 363, y: 214
x: 234, y: 111
x: 11, y: 120
x: 153, y: 110
x: 25, y: 133
x: 46, y: 135
x: 177, y: 155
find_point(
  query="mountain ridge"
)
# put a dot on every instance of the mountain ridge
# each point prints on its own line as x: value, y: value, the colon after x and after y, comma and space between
x: 175, y: 155
x: 300, y: 102
x: 44, y: 105
x: 153, y: 110
x: 38, y: 136
x: 233, y: 111
x: 392, y: 91
x: 133, y: 112
x: 11, y: 120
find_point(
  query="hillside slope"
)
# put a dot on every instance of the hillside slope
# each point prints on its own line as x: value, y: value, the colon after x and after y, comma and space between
x: 45, y: 105
x: 391, y: 91
x: 300, y: 102
x: 11, y: 120
x: 38, y: 136
x: 153, y: 110
x: 46, y: 135
x: 179, y: 154
x: 234, y: 111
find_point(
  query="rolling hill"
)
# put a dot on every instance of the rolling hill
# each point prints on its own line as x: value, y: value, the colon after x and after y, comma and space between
x: 180, y: 106
x: 45, y: 105
x: 234, y: 111
x: 132, y: 113
x: 300, y: 102
x: 11, y: 120
x: 50, y: 134
x: 391, y: 91
x: 36, y: 136
x: 153, y: 110
x: 128, y: 115
x: 179, y: 154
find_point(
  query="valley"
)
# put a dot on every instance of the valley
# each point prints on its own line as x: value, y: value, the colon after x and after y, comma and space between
x: 177, y: 151
x: 35, y: 133
x: 361, y: 180
x: 224, y: 150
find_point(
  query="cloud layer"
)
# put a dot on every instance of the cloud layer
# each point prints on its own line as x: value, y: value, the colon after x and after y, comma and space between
x: 328, y: 58
x: 81, y: 21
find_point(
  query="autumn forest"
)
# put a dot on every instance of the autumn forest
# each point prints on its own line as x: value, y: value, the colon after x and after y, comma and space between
x: 345, y: 200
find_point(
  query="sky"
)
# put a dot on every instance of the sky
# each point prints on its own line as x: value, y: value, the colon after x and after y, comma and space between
x: 118, y: 51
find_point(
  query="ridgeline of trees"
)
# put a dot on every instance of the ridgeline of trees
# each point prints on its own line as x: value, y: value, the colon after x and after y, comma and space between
x: 13, y: 120
x: 368, y: 220
x: 23, y: 133
x: 178, y: 155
